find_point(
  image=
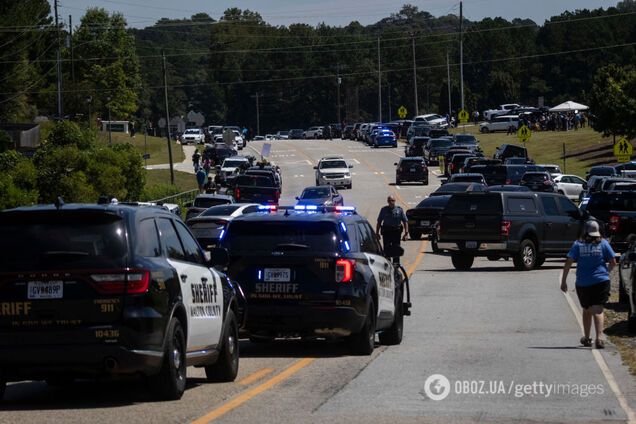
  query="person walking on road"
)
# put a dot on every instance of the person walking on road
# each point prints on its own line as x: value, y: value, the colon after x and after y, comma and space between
x: 196, y: 156
x: 592, y: 254
x: 391, y: 221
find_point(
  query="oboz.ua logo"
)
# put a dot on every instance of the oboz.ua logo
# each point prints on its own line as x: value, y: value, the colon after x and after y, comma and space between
x: 437, y: 387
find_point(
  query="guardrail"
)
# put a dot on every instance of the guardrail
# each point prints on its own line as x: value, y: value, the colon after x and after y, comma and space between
x: 179, y: 198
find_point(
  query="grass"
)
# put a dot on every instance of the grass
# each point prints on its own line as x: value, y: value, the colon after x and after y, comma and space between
x: 157, y: 147
x: 547, y: 146
x: 161, y: 177
x: 617, y: 332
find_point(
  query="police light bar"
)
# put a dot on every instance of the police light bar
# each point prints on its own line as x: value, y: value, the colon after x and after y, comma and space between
x: 271, y: 208
x: 345, y: 209
x: 308, y: 208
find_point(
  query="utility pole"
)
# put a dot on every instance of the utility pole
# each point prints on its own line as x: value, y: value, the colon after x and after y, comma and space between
x: 461, y: 50
x: 414, y: 74
x: 59, y: 64
x: 339, y: 81
x: 379, y: 84
x: 70, y: 29
x: 165, y: 91
x: 258, y: 114
x: 110, y: 123
x: 448, y: 82
x: 389, y: 101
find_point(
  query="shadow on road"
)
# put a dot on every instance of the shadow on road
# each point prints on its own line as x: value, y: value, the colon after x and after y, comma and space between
x: 294, y: 348
x: 493, y: 269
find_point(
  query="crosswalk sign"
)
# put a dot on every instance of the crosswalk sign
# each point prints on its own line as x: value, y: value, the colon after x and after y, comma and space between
x: 524, y: 133
x: 463, y: 116
x: 623, y: 150
x: 402, y: 112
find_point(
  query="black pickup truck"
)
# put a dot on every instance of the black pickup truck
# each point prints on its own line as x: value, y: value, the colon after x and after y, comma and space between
x: 256, y: 189
x: 617, y: 211
x: 526, y: 226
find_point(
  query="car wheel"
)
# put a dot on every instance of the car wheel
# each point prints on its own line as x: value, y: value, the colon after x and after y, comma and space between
x: 425, y: 182
x: 226, y: 367
x: 623, y: 297
x: 526, y: 258
x: 484, y: 130
x: 363, y: 343
x: 462, y: 261
x: 561, y: 192
x: 3, y: 388
x: 415, y: 235
x: 393, y: 335
x: 433, y: 240
x: 170, y: 383
x: 398, y: 182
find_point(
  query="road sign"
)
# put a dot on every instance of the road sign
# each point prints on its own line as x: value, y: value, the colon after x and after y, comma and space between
x: 524, y: 133
x: 402, y: 112
x: 267, y: 147
x: 623, y: 150
x: 463, y: 116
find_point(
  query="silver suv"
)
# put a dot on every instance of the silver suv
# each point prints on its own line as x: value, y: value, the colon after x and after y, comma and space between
x: 333, y: 170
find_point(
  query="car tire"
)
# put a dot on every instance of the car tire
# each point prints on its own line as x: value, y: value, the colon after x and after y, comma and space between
x: 526, y: 258
x: 623, y: 297
x: 349, y: 186
x: 462, y: 261
x: 484, y: 130
x: 415, y: 235
x: 226, y: 367
x: 398, y: 182
x: 393, y: 335
x: 363, y: 342
x: 561, y: 192
x: 434, y: 246
x: 3, y: 388
x: 170, y: 383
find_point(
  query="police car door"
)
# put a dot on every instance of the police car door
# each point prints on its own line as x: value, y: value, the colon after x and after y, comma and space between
x: 197, y: 299
x: 382, y: 270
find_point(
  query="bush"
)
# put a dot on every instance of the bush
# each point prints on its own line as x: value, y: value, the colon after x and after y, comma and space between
x: 158, y: 191
x: 68, y: 133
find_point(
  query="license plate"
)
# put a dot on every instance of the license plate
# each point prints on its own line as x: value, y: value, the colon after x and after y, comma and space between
x: 425, y: 222
x: 412, y: 169
x: 471, y: 245
x: 45, y: 289
x: 277, y: 274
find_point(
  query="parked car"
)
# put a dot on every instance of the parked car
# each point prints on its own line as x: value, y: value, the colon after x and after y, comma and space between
x: 416, y: 147
x: 506, y: 151
x: 554, y: 170
x: 627, y: 285
x: 320, y: 196
x: 601, y: 170
x: 617, y: 211
x: 452, y: 188
x: 424, y: 217
x: 538, y: 181
x: 467, y: 178
x: 435, y: 148
x: 411, y: 169
x: 570, y: 185
x: 500, y: 123
x: 432, y: 119
x: 209, y: 224
x: 347, y: 132
x: 282, y: 135
x: 296, y: 134
x: 528, y: 227
x: 203, y: 201
x: 313, y: 132
x: 193, y: 136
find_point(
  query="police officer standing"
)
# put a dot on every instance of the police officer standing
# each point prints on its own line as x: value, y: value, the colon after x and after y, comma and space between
x: 391, y: 221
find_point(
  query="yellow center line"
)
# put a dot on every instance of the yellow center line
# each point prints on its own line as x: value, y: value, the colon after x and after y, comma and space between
x: 249, y: 394
x: 418, y: 259
x: 255, y: 376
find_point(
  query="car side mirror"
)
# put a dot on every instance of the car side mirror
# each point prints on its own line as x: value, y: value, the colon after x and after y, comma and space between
x: 219, y: 257
x: 315, y: 167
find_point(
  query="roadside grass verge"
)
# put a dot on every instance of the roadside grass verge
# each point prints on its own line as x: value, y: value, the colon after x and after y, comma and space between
x: 157, y: 147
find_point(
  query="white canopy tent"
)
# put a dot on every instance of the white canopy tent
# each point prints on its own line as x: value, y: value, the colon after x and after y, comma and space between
x: 569, y: 106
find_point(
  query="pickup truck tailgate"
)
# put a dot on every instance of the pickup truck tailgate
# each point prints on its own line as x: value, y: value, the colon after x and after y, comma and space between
x: 474, y: 216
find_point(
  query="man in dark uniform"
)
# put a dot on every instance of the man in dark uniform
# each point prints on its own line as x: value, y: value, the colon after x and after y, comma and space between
x: 391, y: 221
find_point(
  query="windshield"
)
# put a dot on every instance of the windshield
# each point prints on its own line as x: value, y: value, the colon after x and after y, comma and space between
x: 315, y: 193
x: 220, y: 210
x: 333, y: 164
x: 432, y: 117
x: 265, y: 237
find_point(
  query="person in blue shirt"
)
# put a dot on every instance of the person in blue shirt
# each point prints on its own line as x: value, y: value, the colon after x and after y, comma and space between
x: 592, y: 254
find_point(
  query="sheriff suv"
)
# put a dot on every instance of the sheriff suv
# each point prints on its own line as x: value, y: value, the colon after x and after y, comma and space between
x: 313, y: 271
x: 98, y: 291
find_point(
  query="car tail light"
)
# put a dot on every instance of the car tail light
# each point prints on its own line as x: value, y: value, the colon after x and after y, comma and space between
x: 237, y: 193
x: 221, y: 221
x: 614, y: 223
x: 509, y: 181
x: 547, y: 182
x: 344, y: 270
x: 505, y: 228
x: 122, y: 282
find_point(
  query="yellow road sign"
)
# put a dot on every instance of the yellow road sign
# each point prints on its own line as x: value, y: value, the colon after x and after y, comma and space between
x: 402, y: 112
x: 463, y: 116
x: 524, y: 133
x: 623, y: 150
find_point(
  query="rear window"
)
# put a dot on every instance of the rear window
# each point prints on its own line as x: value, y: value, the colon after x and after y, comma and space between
x: 434, y: 202
x: 619, y: 202
x: 535, y: 177
x: 204, y: 202
x: 481, y: 204
x: 55, y: 242
x: 521, y: 205
x: 266, y: 237
x: 221, y: 210
x: 467, y: 178
x: 254, y: 181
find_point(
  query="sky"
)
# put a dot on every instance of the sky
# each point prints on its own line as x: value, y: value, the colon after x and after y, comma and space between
x: 142, y: 13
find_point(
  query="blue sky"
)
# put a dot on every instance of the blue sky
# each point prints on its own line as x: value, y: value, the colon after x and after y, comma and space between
x: 141, y: 13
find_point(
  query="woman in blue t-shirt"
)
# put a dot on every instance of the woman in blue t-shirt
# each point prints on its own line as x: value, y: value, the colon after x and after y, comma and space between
x: 591, y: 254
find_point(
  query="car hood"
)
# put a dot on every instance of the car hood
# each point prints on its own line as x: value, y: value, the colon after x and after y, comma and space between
x: 334, y: 170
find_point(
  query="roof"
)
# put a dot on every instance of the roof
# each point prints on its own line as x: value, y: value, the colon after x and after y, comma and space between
x: 142, y: 208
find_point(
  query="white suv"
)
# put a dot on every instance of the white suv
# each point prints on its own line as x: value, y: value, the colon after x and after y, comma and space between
x: 333, y: 170
x: 313, y: 132
x: 500, y: 123
x: 433, y: 119
x: 193, y: 135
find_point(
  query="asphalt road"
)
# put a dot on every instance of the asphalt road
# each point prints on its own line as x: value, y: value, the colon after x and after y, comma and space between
x: 506, y: 341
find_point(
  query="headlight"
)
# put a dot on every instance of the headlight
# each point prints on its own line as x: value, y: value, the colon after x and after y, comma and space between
x: 347, y: 174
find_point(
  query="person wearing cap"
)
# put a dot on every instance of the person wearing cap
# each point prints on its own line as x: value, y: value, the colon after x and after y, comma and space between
x: 592, y: 253
x: 391, y: 221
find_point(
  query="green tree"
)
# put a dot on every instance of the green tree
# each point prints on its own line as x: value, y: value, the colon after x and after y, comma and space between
x: 18, y: 180
x: 613, y: 101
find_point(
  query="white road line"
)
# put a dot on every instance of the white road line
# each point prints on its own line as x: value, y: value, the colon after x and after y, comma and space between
x: 398, y: 187
x: 381, y: 173
x: 355, y: 160
x: 609, y: 376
